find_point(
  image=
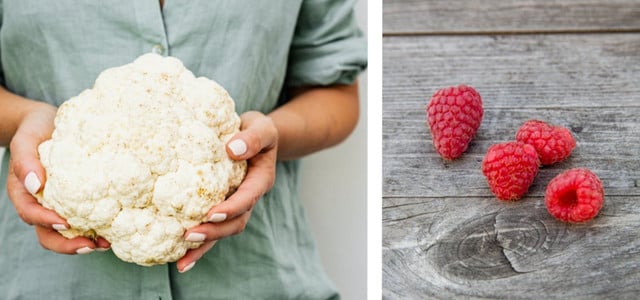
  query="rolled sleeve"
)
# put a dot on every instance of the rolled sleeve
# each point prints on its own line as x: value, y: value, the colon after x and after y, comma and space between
x: 328, y: 46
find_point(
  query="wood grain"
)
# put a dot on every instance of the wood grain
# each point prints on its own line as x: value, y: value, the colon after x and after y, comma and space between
x: 595, y: 93
x: 447, y: 17
x: 444, y: 234
x: 481, y: 248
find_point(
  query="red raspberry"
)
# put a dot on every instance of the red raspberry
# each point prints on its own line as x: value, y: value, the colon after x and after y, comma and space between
x: 510, y: 169
x: 454, y: 115
x: 575, y: 195
x: 553, y: 143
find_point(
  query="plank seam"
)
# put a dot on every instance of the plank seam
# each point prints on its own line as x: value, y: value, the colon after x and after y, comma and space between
x: 514, y: 32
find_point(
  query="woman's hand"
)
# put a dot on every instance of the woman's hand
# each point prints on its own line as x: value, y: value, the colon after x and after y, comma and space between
x: 315, y: 118
x: 257, y: 142
x: 27, y: 176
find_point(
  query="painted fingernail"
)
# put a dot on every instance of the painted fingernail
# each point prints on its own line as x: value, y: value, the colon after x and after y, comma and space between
x: 217, y: 217
x: 238, y: 147
x: 188, y: 267
x: 59, y: 227
x: 84, y: 250
x: 195, y: 237
x: 100, y: 249
x: 32, y: 183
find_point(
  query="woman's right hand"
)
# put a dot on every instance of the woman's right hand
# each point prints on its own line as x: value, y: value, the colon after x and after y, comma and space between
x: 27, y: 176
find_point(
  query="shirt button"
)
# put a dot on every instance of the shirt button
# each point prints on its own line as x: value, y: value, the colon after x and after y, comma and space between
x: 157, y: 49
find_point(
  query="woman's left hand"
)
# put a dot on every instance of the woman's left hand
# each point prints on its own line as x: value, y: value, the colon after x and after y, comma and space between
x: 257, y: 142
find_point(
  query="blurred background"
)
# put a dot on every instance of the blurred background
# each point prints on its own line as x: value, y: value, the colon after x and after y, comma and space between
x: 334, y: 192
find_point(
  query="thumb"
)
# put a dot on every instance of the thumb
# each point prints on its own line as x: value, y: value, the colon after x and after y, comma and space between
x: 258, y: 134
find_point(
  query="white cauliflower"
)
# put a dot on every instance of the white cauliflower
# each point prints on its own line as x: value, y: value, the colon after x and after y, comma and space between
x: 140, y: 158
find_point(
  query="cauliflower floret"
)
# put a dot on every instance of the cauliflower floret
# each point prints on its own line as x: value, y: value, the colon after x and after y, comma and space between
x: 148, y: 236
x: 140, y: 158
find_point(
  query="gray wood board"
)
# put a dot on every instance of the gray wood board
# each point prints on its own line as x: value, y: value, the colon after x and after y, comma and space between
x: 444, y: 234
x: 569, y: 80
x: 481, y: 248
x: 444, y: 16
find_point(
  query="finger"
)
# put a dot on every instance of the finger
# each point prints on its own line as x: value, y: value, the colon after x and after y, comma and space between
x: 52, y: 240
x: 24, y: 150
x: 27, y: 207
x: 25, y: 163
x: 259, y: 180
x: 216, y: 231
x: 189, y: 260
x: 258, y: 134
x: 102, y: 244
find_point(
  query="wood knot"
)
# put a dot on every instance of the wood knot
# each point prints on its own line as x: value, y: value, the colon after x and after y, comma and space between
x: 576, y: 128
x: 472, y: 251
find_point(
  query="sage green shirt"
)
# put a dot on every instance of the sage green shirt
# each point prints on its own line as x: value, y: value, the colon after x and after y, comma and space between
x: 52, y: 50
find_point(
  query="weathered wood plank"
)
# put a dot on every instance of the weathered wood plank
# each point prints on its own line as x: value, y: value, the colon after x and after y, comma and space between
x: 484, y: 248
x: 411, y: 166
x: 443, y: 16
x: 551, y: 71
x: 597, y: 96
x: 444, y: 234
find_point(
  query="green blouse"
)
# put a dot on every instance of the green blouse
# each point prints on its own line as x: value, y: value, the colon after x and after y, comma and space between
x: 256, y: 49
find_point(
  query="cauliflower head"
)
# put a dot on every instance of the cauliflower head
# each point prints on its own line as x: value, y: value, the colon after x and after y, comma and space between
x: 140, y: 158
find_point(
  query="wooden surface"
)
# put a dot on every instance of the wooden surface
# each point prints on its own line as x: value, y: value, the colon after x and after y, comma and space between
x: 446, y: 16
x: 444, y: 234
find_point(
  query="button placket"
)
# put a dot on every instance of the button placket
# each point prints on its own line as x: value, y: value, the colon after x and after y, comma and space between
x: 151, y: 26
x: 155, y: 282
x: 157, y: 49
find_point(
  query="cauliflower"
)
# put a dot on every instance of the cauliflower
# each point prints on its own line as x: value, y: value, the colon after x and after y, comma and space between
x: 140, y: 158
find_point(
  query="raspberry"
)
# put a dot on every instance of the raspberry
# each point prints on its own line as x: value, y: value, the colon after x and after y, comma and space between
x: 510, y: 169
x: 553, y: 143
x: 454, y: 115
x: 575, y: 195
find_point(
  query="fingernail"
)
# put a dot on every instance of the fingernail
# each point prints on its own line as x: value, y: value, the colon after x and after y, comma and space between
x: 59, y: 227
x: 32, y: 183
x: 238, y: 147
x: 100, y: 249
x: 84, y: 250
x: 188, y: 267
x: 195, y: 237
x: 217, y: 217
